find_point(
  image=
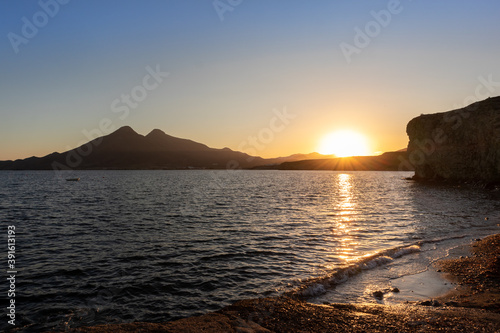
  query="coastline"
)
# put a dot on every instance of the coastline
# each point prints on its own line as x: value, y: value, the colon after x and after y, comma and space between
x: 473, y: 306
x: 478, y: 276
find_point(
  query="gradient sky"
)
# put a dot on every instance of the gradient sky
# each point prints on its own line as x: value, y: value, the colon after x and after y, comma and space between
x: 228, y: 77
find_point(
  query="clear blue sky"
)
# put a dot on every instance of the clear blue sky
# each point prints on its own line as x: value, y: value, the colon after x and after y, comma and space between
x: 228, y: 77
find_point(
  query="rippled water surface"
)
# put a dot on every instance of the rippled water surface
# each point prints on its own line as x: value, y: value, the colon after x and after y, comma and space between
x: 123, y: 246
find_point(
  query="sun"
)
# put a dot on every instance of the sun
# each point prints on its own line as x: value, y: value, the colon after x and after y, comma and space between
x: 344, y: 143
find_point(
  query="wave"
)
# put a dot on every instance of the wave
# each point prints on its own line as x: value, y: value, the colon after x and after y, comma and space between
x: 317, y: 286
x: 320, y: 285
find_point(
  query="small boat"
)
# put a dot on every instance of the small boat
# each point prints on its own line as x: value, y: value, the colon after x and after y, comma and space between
x: 72, y: 179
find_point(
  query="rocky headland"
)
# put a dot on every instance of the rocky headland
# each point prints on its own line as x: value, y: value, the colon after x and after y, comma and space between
x: 460, y: 145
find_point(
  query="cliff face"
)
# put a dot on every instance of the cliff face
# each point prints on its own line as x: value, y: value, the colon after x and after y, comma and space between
x: 459, y: 145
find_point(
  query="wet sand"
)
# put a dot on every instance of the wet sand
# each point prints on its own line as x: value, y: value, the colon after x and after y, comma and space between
x: 473, y: 306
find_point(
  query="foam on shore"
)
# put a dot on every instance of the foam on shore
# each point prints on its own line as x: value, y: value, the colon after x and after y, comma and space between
x: 317, y: 286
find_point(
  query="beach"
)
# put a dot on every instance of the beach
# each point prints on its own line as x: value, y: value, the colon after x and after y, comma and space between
x: 472, y: 306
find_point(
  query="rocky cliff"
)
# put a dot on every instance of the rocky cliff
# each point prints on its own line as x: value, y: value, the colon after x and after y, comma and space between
x: 458, y: 145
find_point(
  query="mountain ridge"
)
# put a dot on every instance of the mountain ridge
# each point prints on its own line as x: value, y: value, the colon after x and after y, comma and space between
x: 388, y: 161
x: 127, y: 149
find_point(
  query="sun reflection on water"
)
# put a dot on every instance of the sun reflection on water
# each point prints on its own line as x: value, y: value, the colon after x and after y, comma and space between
x: 343, y: 227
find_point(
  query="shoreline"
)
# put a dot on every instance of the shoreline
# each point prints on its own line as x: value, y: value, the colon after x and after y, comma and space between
x: 472, y: 306
x: 477, y: 276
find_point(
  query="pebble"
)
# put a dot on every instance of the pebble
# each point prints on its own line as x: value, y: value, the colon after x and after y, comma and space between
x: 436, y: 303
x: 431, y: 302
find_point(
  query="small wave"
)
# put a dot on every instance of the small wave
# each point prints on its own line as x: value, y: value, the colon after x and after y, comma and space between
x: 376, y: 262
x: 318, y: 286
x: 442, y: 239
x: 243, y: 254
x: 406, y: 250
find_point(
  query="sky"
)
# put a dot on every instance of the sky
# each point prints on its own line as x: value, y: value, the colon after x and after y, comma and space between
x: 267, y: 77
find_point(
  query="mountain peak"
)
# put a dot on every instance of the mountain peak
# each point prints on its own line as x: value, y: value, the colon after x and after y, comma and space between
x: 156, y: 133
x: 125, y: 130
x: 171, y: 143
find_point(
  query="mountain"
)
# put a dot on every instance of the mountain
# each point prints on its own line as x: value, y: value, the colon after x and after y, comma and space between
x: 126, y: 149
x: 390, y: 161
x: 170, y: 143
x: 296, y: 157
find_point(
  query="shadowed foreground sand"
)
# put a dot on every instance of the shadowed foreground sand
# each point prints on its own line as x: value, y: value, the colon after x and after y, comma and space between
x: 473, y: 307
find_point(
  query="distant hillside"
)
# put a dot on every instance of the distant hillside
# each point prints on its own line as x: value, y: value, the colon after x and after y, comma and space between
x: 296, y: 157
x: 126, y: 149
x: 391, y: 161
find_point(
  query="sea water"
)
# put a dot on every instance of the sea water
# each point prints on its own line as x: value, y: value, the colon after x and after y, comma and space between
x: 124, y: 246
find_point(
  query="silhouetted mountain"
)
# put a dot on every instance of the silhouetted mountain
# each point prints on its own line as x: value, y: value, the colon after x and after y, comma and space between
x: 297, y: 157
x: 126, y: 149
x: 170, y: 143
x: 391, y: 161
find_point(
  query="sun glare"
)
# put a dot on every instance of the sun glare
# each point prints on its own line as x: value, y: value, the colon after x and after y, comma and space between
x: 344, y: 143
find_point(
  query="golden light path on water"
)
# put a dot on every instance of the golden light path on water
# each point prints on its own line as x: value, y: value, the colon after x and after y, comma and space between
x: 343, y: 228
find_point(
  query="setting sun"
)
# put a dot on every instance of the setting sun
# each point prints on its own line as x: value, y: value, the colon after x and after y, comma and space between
x: 344, y: 143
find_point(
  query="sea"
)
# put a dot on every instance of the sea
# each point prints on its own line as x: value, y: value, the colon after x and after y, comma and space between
x: 155, y: 246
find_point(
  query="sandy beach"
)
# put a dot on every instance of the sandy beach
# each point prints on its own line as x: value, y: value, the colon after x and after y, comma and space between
x: 472, y: 305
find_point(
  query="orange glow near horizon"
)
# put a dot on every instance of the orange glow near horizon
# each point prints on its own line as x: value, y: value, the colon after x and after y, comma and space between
x: 344, y: 143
